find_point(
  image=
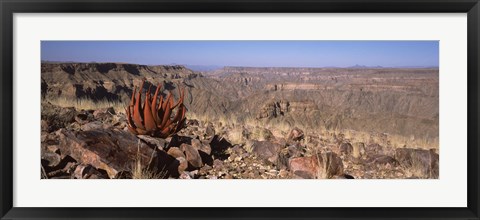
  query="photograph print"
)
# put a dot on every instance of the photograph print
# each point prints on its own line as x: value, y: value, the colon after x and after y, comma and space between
x: 240, y: 109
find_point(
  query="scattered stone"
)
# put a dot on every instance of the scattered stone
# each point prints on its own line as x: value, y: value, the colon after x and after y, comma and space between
x: 196, y: 144
x: 218, y: 164
x: 422, y: 161
x: 205, y: 148
x: 175, y: 152
x: 182, y: 164
x: 192, y: 155
x: 282, y: 160
x: 296, y: 134
x: 382, y: 160
x: 343, y: 176
x: 110, y: 150
x: 323, y: 166
x: 89, y: 172
x: 154, y: 142
x: 44, y: 125
x: 192, y: 122
x: 82, y: 118
x: 283, y: 173
x: 177, y: 140
x: 53, y: 149
x: 57, y: 117
x: 374, y: 148
x: 295, y: 150
x: 50, y: 159
x: 304, y: 167
x: 266, y: 150
x: 209, y: 130
x: 346, y: 148
x: 185, y: 175
x: 60, y: 169
x: 104, y: 113
x: 238, y: 150
x: 205, y: 151
x: 95, y: 125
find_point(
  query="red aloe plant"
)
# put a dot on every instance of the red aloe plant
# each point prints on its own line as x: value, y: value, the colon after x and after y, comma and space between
x: 155, y: 116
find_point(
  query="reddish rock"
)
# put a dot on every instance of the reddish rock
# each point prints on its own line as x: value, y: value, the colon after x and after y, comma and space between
x: 205, y: 148
x: 192, y: 155
x: 175, y: 152
x: 325, y: 166
x: 110, y: 150
x: 304, y: 167
x: 266, y: 150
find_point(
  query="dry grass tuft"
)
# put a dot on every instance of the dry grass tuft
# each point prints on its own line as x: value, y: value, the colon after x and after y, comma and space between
x: 248, y: 146
x: 282, y: 128
x: 235, y: 136
x: 201, y: 118
x: 424, y: 143
x: 86, y: 104
x: 416, y: 170
x: 141, y: 172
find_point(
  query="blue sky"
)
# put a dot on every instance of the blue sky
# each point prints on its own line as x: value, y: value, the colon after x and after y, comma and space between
x: 248, y: 53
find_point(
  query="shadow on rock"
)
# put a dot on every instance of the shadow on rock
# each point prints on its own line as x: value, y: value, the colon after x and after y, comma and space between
x: 219, y: 146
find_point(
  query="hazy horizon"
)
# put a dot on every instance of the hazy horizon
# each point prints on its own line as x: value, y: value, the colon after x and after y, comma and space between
x: 219, y: 66
x: 304, y: 54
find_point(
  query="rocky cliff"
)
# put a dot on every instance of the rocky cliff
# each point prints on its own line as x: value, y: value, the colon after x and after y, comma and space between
x: 112, y: 81
x: 396, y: 101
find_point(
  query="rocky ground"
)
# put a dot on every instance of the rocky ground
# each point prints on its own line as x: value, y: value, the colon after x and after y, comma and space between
x: 95, y: 144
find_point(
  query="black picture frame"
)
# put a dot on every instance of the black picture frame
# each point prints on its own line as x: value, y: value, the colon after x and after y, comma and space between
x: 9, y: 7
